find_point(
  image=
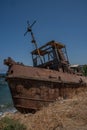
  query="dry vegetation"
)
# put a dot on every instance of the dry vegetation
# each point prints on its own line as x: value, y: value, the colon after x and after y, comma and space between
x: 70, y: 114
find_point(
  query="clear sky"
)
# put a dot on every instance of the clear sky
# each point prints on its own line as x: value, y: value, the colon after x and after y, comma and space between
x: 61, y: 20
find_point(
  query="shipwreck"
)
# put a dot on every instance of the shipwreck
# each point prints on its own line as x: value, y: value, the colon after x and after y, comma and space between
x: 50, y: 77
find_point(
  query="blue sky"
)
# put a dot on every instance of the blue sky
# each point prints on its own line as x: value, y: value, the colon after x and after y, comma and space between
x: 60, y: 20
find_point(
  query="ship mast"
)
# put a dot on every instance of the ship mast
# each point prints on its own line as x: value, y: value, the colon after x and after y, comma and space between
x: 29, y: 29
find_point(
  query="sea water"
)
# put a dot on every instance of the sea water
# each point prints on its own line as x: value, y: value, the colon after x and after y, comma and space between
x: 6, y: 103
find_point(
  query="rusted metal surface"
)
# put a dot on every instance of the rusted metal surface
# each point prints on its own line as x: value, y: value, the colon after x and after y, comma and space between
x: 35, y: 87
x: 30, y: 94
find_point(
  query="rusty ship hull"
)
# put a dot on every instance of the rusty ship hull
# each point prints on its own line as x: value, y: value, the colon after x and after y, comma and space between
x: 50, y: 77
x: 33, y: 88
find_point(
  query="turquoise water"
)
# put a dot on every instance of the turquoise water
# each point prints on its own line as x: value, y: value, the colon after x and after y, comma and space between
x: 6, y: 103
x: 5, y: 96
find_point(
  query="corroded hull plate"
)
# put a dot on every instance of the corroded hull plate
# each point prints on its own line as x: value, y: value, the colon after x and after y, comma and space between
x: 30, y: 95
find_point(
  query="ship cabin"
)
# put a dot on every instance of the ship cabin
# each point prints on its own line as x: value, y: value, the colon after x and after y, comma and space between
x: 77, y: 69
x: 52, y: 55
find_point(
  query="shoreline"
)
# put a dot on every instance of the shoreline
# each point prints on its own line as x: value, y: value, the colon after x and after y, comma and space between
x: 6, y: 113
x: 7, y: 108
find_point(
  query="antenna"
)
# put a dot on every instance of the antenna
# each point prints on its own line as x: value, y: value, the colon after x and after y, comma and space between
x: 29, y: 29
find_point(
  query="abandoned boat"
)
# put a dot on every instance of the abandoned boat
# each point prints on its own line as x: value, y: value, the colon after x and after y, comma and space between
x: 50, y: 77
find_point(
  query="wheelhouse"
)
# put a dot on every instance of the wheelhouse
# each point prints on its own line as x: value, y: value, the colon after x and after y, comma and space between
x: 52, y: 55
